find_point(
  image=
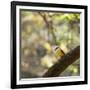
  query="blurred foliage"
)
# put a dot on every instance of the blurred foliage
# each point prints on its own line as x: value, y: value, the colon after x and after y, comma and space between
x: 39, y: 32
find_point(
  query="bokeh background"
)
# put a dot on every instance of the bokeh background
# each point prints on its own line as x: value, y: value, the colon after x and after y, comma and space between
x: 40, y: 30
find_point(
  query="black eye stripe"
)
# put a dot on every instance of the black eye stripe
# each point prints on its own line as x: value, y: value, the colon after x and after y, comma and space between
x: 56, y: 48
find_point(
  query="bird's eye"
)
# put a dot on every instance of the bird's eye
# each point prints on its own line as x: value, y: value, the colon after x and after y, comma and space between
x: 56, y: 48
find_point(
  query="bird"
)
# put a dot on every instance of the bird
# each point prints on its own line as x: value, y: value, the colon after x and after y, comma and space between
x: 58, y: 52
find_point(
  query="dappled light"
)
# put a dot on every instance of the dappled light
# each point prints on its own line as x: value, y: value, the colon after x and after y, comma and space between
x: 40, y: 31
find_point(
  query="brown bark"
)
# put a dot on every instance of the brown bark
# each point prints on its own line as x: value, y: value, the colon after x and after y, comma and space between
x: 63, y: 63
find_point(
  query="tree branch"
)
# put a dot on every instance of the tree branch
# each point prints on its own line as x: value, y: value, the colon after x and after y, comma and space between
x: 63, y: 63
x: 49, y: 25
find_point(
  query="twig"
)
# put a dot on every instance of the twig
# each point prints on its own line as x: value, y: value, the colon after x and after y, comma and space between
x: 49, y: 25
